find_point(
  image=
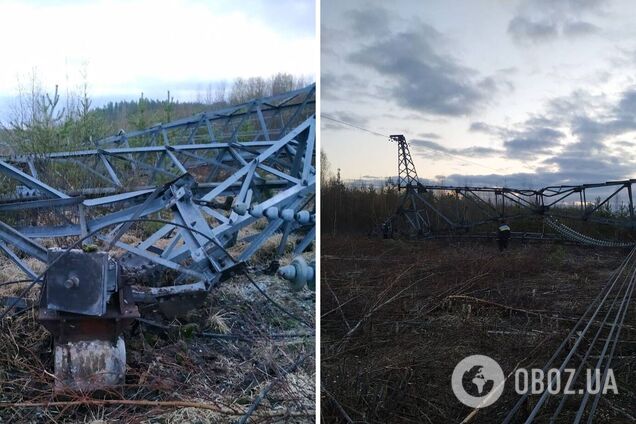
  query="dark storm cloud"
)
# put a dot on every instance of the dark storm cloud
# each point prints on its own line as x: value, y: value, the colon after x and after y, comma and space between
x: 422, y: 78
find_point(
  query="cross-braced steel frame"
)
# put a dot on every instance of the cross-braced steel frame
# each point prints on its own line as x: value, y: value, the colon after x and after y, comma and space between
x: 428, y: 210
x: 204, y: 180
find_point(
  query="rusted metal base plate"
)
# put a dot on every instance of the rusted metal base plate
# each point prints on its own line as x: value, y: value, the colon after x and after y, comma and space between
x: 89, y: 365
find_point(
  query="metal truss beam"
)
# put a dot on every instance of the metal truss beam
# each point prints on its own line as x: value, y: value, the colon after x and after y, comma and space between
x: 213, y: 143
x: 204, y: 184
x: 421, y: 203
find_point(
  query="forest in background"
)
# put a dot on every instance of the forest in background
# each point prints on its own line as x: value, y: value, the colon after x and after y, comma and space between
x: 44, y: 121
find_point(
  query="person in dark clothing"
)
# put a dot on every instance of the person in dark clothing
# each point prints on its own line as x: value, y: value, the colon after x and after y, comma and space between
x: 503, y: 235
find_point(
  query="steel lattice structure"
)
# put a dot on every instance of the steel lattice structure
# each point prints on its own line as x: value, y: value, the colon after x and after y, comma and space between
x: 420, y: 213
x: 205, y: 155
x: 217, y: 186
x: 218, y: 142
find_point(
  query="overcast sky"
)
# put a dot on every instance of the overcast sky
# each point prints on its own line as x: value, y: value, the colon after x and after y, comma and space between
x: 127, y: 47
x: 522, y: 93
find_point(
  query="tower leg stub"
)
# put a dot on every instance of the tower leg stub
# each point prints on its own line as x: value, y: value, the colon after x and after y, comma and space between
x: 86, y: 307
x: 89, y: 365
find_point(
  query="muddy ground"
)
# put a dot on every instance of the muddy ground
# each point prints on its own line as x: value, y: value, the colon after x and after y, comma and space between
x: 397, y: 316
x: 206, y: 367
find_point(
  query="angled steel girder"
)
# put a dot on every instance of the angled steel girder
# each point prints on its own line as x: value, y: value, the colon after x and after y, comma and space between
x: 215, y: 191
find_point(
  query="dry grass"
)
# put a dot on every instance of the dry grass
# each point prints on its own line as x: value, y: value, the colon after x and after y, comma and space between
x: 398, y: 316
x: 175, y: 365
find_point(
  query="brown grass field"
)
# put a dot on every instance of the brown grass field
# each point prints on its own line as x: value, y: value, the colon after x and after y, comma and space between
x: 397, y: 316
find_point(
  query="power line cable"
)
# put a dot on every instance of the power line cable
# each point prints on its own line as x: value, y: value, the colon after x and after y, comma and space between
x: 354, y: 126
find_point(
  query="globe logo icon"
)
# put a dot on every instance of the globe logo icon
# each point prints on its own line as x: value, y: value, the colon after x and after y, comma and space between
x: 478, y: 381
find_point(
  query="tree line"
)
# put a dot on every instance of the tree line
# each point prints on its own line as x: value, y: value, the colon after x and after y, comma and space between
x: 43, y: 121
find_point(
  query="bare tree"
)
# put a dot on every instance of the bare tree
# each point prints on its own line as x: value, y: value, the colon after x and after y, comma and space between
x: 220, y: 93
x: 282, y: 83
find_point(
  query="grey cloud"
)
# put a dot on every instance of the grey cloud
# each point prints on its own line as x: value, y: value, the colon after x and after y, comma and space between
x: 341, y: 86
x: 591, y: 158
x: 625, y: 143
x: 533, y: 141
x: 369, y: 21
x: 422, y: 78
x: 523, y: 29
x: 534, y: 137
x: 484, y: 128
x: 626, y: 107
x: 327, y: 124
x: 579, y: 28
x: 429, y: 135
x: 567, y: 7
x: 473, y: 151
x: 349, y: 117
x: 527, y: 180
x: 590, y: 168
x: 541, y: 21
